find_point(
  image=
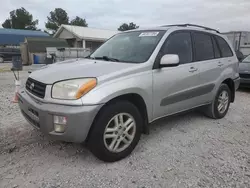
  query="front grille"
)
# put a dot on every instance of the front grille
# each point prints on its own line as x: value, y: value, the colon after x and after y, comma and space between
x: 36, y: 88
x: 30, y: 119
x: 245, y: 75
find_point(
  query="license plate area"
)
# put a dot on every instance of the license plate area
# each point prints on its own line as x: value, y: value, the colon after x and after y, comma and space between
x: 33, y: 112
x: 31, y: 118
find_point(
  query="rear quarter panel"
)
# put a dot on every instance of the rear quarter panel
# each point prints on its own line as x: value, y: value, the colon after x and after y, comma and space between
x: 233, y: 62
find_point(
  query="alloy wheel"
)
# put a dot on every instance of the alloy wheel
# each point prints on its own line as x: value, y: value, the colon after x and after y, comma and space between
x: 119, y: 132
x: 223, y: 101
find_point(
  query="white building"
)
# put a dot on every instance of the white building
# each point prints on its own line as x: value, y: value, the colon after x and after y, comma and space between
x: 83, y: 37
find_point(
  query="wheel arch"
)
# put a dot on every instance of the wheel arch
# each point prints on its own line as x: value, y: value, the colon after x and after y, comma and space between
x: 230, y: 84
x: 135, y: 99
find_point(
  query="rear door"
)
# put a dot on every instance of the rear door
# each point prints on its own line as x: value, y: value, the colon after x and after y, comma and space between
x: 208, y: 55
x: 174, y: 88
x: 212, y: 67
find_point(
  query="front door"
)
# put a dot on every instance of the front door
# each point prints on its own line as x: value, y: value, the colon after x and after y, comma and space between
x: 175, y: 88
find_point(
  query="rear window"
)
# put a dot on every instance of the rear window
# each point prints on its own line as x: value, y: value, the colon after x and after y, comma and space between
x: 203, y: 47
x: 224, y: 47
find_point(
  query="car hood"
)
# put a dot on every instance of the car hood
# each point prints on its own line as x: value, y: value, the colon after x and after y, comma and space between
x: 244, y: 67
x: 78, y: 69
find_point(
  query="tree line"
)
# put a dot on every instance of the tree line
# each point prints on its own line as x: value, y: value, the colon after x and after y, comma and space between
x: 22, y: 19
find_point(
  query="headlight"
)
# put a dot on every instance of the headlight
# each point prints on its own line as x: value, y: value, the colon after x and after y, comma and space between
x: 73, y: 89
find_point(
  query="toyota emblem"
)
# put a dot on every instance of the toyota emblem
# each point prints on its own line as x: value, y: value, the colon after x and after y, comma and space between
x: 32, y: 85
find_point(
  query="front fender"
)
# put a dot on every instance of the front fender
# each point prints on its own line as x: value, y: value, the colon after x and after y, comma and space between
x: 140, y: 84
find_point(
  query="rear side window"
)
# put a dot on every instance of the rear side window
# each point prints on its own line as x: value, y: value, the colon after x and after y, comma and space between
x: 203, y: 46
x: 180, y: 44
x: 224, y: 47
x: 216, y: 48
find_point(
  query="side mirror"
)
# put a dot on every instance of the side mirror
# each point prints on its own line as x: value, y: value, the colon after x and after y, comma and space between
x: 169, y: 60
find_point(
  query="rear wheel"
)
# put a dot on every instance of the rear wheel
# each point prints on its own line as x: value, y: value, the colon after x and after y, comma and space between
x: 220, y: 105
x: 116, y: 131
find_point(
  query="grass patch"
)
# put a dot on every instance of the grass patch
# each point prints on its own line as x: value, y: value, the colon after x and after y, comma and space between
x: 5, y: 69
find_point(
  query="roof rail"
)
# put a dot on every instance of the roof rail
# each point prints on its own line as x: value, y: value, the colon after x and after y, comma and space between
x: 194, y: 25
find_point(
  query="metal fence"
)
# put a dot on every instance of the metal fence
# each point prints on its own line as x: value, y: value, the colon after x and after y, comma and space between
x: 61, y: 54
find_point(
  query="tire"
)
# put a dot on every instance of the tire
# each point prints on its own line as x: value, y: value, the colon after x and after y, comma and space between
x: 212, y: 110
x: 107, y: 120
x: 1, y: 59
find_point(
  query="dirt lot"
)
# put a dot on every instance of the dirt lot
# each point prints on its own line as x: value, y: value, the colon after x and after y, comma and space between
x: 184, y: 151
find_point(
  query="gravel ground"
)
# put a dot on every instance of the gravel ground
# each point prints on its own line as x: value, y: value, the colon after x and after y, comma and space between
x: 182, y: 151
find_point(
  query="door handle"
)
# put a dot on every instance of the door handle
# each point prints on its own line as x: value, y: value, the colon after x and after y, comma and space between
x: 220, y: 64
x: 192, y: 69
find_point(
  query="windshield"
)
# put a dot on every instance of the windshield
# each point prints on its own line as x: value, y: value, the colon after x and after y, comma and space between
x: 131, y: 47
x: 246, y: 60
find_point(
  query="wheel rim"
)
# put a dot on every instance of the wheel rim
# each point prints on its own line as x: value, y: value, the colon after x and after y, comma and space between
x: 223, y: 102
x: 119, y: 132
x: 1, y: 59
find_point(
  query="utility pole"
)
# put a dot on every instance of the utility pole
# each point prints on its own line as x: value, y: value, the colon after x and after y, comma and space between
x: 239, y: 40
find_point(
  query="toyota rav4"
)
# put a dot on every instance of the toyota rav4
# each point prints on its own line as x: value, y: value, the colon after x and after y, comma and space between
x: 108, y: 99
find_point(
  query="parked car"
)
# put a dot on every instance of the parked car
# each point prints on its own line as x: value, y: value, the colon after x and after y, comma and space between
x: 240, y: 55
x: 6, y: 54
x: 133, y: 79
x: 245, y: 72
x: 1, y: 58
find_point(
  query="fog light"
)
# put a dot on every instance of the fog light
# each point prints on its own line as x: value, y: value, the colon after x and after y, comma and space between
x: 59, y: 128
x: 60, y: 123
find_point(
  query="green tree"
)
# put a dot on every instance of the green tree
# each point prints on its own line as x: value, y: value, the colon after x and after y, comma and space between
x: 125, y: 26
x: 56, y: 18
x: 79, y: 22
x: 20, y: 19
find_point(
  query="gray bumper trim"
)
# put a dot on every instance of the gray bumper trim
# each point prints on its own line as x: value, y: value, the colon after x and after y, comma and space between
x: 79, y: 118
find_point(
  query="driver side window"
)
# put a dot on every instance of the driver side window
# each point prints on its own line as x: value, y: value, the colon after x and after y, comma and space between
x: 179, y: 43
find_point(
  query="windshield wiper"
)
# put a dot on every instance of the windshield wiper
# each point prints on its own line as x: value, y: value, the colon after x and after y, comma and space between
x: 106, y: 58
x: 88, y: 57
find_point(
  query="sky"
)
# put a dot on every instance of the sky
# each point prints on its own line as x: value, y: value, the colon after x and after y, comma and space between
x: 225, y: 15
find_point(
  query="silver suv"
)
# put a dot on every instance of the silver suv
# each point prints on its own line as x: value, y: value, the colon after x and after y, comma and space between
x: 108, y: 99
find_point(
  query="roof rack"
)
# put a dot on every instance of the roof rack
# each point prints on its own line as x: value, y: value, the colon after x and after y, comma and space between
x: 186, y: 25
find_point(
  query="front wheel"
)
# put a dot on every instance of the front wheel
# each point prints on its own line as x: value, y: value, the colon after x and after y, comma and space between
x: 116, y: 131
x: 220, y: 105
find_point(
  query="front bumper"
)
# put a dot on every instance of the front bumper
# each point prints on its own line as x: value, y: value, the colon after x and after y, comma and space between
x: 40, y: 116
